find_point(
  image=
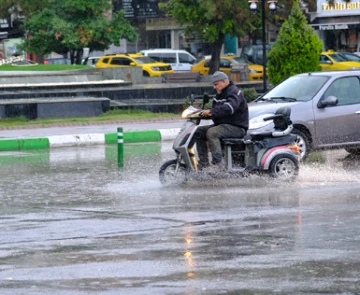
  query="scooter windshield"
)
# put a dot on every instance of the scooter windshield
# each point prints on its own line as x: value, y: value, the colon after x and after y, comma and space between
x: 189, y: 111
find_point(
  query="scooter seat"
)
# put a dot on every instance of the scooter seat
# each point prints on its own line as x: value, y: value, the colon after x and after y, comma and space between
x: 232, y: 141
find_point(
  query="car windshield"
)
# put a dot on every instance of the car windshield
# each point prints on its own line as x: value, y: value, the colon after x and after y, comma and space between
x: 144, y: 60
x: 350, y: 56
x: 338, y: 57
x: 297, y: 88
x: 241, y: 60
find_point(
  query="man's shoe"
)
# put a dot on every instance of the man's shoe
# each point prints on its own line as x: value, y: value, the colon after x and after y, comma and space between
x: 201, y: 166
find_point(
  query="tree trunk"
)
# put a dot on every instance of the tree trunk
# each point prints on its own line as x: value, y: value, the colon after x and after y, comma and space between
x: 215, y: 54
x: 72, y: 56
x: 39, y: 58
x: 79, y: 54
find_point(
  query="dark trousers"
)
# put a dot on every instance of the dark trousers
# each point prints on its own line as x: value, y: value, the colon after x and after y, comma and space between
x: 208, y: 138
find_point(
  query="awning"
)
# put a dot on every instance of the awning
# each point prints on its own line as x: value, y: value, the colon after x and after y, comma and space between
x: 335, y: 23
x: 3, y: 35
x: 336, y: 26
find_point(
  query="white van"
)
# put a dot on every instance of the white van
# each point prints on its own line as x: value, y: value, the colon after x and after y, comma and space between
x: 180, y: 60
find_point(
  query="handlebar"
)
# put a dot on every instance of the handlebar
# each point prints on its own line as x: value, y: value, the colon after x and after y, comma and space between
x: 273, y: 117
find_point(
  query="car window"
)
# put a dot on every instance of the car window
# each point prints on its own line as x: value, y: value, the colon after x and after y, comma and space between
x: 324, y: 59
x: 346, y: 90
x: 207, y: 63
x: 294, y: 87
x: 163, y: 57
x: 105, y: 60
x: 241, y: 60
x: 185, y: 58
x: 144, y: 60
x: 350, y: 56
x: 225, y: 63
x: 338, y: 57
x: 120, y: 61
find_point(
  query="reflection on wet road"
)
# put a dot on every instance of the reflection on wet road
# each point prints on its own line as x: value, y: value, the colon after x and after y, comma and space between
x: 72, y: 222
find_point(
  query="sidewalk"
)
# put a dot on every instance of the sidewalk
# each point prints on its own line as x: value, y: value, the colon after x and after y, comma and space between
x: 34, y: 137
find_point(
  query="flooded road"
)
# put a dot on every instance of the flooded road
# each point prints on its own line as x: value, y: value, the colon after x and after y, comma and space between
x: 74, y: 223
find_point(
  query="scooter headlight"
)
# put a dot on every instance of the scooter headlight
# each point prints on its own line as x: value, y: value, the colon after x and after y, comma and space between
x: 258, y: 122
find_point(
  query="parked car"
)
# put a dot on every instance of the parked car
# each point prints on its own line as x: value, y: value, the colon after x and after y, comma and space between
x: 254, y: 53
x: 226, y: 62
x: 91, y: 61
x: 180, y: 60
x: 24, y: 62
x: 325, y: 110
x: 150, y: 67
x: 57, y: 61
x: 331, y: 60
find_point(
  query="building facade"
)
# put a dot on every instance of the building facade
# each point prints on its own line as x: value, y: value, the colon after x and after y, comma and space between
x: 338, y: 26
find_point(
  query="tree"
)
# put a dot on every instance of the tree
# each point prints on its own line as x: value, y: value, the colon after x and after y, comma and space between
x: 296, y: 49
x: 211, y: 20
x: 42, y: 38
x: 70, y: 25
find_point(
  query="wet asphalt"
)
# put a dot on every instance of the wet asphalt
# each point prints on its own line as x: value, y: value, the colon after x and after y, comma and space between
x: 73, y: 222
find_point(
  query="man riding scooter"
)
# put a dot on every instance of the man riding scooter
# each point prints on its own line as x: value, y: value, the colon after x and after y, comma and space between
x: 230, y: 115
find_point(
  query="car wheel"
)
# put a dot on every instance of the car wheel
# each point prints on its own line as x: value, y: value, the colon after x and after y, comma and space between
x: 353, y: 150
x: 303, y: 143
x: 146, y: 74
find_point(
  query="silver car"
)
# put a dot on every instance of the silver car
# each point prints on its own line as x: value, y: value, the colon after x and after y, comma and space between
x: 325, y: 110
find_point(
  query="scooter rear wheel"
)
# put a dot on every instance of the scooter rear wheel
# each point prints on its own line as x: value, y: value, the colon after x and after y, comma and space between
x: 168, y: 176
x: 284, y: 167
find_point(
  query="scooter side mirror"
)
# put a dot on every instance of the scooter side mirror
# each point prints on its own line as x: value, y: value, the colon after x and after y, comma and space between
x: 206, y: 98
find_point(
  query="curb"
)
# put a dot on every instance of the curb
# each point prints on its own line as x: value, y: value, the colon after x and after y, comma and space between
x: 55, y: 141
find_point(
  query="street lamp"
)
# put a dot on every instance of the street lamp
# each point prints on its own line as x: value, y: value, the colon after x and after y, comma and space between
x: 253, y: 8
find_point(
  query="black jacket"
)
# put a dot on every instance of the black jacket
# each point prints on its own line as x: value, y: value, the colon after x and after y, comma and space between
x: 230, y: 107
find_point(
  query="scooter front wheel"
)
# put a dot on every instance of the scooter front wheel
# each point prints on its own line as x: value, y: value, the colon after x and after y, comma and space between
x: 169, y: 176
x: 284, y: 167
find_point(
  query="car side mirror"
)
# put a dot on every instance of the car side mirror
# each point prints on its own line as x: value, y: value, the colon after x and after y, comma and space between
x: 132, y: 64
x: 327, y: 102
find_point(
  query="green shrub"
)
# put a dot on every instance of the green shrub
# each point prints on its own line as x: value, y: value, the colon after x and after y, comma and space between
x: 296, y: 50
x: 250, y: 94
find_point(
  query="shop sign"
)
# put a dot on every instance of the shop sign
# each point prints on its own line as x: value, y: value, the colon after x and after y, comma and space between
x: 333, y: 27
x: 155, y: 24
x: 138, y: 8
x: 4, y: 23
x: 341, y: 6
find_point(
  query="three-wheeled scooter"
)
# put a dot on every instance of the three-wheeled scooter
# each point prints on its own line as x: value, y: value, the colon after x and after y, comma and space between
x: 274, y: 152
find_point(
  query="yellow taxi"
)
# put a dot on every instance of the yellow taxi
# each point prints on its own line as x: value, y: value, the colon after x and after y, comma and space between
x: 150, y: 67
x: 226, y: 62
x: 331, y: 60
